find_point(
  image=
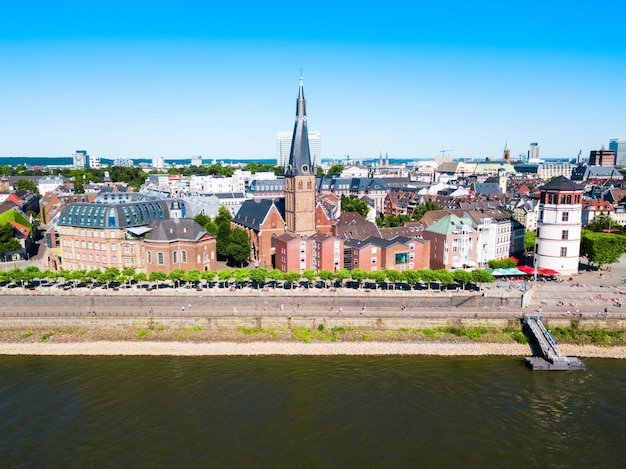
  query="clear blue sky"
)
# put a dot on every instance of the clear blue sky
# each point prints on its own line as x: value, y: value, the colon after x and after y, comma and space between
x: 175, y: 79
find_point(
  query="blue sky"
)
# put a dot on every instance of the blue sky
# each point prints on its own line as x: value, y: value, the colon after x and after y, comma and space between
x: 176, y: 79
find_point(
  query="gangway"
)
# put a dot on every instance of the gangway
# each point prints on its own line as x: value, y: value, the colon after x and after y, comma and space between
x: 546, y: 352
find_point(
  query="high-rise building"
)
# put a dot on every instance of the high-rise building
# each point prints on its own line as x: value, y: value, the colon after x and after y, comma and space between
x: 80, y: 159
x: 300, y: 177
x: 618, y: 145
x: 283, y: 147
x: 602, y: 157
x: 533, y: 152
x: 158, y: 162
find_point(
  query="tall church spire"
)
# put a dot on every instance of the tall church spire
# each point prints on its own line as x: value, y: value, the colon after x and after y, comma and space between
x: 300, y: 156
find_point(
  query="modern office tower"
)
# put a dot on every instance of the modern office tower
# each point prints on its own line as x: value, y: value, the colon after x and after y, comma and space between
x: 533, y: 152
x: 80, y: 160
x: 283, y: 147
x: 557, y: 246
x: 196, y: 161
x: 618, y: 145
x: 602, y: 157
x: 158, y: 162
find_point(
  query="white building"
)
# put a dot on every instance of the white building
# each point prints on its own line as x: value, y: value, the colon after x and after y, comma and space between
x: 80, y: 159
x: 49, y: 183
x: 123, y: 162
x: 158, y: 162
x: 557, y: 245
x: 94, y: 162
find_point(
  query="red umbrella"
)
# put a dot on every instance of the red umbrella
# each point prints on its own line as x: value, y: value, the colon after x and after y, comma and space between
x: 526, y: 269
x: 514, y: 259
x: 548, y: 272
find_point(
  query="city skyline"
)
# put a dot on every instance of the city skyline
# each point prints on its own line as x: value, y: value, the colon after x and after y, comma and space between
x: 410, y: 81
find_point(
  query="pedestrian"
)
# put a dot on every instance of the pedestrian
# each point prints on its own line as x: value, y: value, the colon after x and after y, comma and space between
x: 183, y: 308
x: 150, y: 310
x: 189, y: 305
x: 282, y: 306
x: 298, y: 305
x: 234, y: 309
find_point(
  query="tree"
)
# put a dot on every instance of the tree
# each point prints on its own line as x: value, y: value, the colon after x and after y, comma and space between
x: 600, y: 222
x: 354, y: 204
x: 26, y: 185
x: 291, y: 277
x: 461, y: 276
x: 326, y: 276
x: 309, y: 275
x: 208, y: 276
x: 258, y: 276
x: 529, y: 240
x: 335, y: 170
x: 421, y: 209
x: 341, y: 275
x: 238, y: 247
x: 481, y: 276
x: 602, y: 248
x: 8, y: 243
x: 176, y: 276
x: 157, y: 276
x: 358, y: 275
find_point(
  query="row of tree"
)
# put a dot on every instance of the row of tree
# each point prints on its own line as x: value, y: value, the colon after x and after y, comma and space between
x: 259, y: 277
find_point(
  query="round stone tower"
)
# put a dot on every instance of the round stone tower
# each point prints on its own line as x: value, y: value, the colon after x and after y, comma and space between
x: 557, y: 246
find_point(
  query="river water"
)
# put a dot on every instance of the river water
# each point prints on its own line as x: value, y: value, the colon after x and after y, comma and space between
x: 292, y: 412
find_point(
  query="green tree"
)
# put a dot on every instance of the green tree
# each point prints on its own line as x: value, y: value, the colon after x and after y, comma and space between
x: 208, y: 276
x: 482, y: 276
x: 461, y: 276
x: 258, y: 276
x: 157, y: 276
x: 529, y: 241
x: 8, y: 243
x: 222, y: 220
x: 238, y: 247
x: 341, y: 275
x: 309, y: 275
x: 600, y: 222
x: 326, y: 276
x: 602, y: 248
x: 358, y: 275
x: 176, y: 276
x: 335, y: 170
x: 26, y: 185
x: 291, y: 277
x: 421, y: 209
x: 354, y: 204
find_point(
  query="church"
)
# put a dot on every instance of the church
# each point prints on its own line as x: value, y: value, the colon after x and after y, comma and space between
x: 299, y: 215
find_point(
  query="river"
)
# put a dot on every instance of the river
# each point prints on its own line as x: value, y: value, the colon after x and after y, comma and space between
x: 335, y: 412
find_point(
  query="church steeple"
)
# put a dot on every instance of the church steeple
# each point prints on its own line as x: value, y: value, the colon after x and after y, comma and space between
x: 300, y: 156
x: 300, y: 187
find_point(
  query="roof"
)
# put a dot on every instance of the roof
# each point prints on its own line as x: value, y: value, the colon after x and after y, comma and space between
x: 561, y: 183
x: 449, y: 224
x: 299, y: 156
x: 353, y: 225
x: 180, y: 229
x: 251, y: 214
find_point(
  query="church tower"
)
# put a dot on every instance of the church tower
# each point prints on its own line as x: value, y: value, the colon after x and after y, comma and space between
x: 506, y: 155
x: 299, y: 177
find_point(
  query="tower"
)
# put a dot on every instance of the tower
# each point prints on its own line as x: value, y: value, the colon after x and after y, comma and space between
x: 506, y: 156
x: 618, y: 145
x: 557, y: 245
x: 299, y: 176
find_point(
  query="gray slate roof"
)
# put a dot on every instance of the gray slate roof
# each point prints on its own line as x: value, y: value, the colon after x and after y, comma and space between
x: 182, y: 229
x: 252, y: 214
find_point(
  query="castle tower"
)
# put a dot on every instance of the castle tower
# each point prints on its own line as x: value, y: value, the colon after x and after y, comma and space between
x: 557, y: 245
x: 506, y: 155
x: 299, y: 176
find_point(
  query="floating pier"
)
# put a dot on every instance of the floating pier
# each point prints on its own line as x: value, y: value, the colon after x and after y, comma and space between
x: 546, y: 353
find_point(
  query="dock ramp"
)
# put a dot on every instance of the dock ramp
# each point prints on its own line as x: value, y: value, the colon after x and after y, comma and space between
x: 546, y: 352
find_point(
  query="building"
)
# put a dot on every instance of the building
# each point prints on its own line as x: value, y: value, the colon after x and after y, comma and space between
x: 557, y: 246
x: 80, y: 160
x: 179, y: 243
x: 453, y: 243
x: 99, y: 235
x: 602, y: 157
x: 293, y: 253
x: 300, y: 188
x: 283, y: 147
x: 618, y: 145
x: 533, y: 152
x: 506, y: 155
x: 399, y: 253
x: 158, y: 162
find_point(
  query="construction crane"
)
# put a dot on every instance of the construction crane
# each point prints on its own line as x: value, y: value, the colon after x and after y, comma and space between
x: 443, y: 152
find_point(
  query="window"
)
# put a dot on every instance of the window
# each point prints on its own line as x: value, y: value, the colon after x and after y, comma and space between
x: 402, y: 258
x: 565, y: 234
x: 540, y: 215
x: 374, y: 260
x: 175, y: 257
x: 183, y: 257
x: 160, y: 258
x: 149, y: 256
x: 113, y: 247
x: 565, y: 216
x: 563, y: 252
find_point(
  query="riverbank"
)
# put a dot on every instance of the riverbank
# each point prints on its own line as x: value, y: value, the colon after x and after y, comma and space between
x: 261, y: 348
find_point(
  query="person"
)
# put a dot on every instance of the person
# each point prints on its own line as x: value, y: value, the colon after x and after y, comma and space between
x: 363, y: 310
x: 183, y: 308
x: 189, y: 305
x: 150, y: 310
x: 234, y: 309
